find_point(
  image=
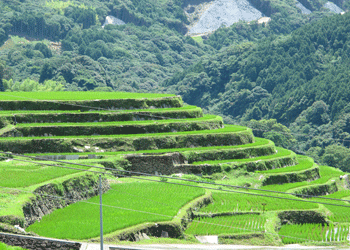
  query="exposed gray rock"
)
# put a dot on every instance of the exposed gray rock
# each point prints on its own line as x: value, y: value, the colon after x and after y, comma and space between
x: 333, y: 7
x: 53, y: 196
x: 225, y: 13
x: 113, y: 20
x: 303, y: 9
x: 36, y: 243
x: 165, y: 234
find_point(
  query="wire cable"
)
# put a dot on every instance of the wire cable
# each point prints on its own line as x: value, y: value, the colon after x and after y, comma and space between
x: 210, y: 188
x: 157, y: 214
x: 175, y: 178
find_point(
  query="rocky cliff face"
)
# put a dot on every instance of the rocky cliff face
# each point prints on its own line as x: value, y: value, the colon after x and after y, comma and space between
x: 53, y: 196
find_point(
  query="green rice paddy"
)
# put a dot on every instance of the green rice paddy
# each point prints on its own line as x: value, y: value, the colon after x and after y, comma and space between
x: 326, y: 174
x: 292, y: 234
x: 249, y: 223
x: 14, y: 174
x: 6, y: 247
x: 303, y: 164
x: 179, y: 109
x: 226, y: 129
x: 281, y: 152
x: 258, y: 142
x: 126, y: 204
x: 237, y: 202
x: 119, y: 123
x: 24, y: 96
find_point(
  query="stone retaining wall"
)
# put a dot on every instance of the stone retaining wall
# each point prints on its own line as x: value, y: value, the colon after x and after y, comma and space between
x: 37, y: 243
x: 155, y: 164
x: 54, y: 196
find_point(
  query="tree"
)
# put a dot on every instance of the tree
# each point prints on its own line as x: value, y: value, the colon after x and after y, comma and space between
x: 43, y: 49
x: 2, y: 89
x: 1, y: 77
x: 46, y: 73
x: 5, y: 73
x: 337, y: 156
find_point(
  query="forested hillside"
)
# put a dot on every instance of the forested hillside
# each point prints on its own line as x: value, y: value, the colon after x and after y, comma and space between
x: 301, y: 80
x: 294, y: 69
x: 65, y: 41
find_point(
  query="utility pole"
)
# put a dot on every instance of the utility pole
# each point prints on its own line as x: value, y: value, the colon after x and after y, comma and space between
x: 264, y: 204
x: 101, y: 218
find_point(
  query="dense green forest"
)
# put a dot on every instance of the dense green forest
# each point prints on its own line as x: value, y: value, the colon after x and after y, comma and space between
x: 289, y: 76
x: 301, y: 80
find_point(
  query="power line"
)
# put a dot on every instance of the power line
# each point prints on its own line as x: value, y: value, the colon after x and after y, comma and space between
x: 210, y: 188
x: 157, y: 214
x: 174, y: 178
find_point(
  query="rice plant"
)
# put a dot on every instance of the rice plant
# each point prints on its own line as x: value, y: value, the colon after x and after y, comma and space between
x: 280, y: 153
x: 236, y: 202
x: 301, y: 233
x: 88, y: 95
x: 126, y: 205
x: 247, y: 223
x: 303, y: 164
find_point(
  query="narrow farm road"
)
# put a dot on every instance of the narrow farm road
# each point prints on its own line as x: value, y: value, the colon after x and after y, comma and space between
x: 88, y: 246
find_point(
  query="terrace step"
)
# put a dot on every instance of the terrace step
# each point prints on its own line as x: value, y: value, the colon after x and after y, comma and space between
x: 281, y: 159
x: 258, y: 142
x: 304, y: 175
x: 327, y: 176
x: 113, y: 128
x: 64, y: 116
x: 305, y: 163
x: 166, y: 163
x: 228, y: 136
x: 317, y: 190
x: 70, y: 101
x: 305, y: 170
x: 258, y: 148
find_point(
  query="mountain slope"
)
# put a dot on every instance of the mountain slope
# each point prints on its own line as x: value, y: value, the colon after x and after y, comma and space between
x: 302, y: 80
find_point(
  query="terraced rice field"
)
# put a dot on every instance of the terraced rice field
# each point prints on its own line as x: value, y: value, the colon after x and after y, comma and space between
x: 250, y: 223
x: 236, y: 202
x: 326, y: 173
x: 227, y: 129
x: 126, y: 204
x: 303, y: 164
x: 6, y: 247
x: 258, y: 142
x: 313, y: 233
x: 16, y: 174
x: 155, y: 131
x: 77, y: 95
x: 281, y: 152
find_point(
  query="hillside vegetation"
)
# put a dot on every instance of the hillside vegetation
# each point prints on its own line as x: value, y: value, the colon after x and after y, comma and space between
x: 64, y: 42
x: 204, y: 177
x: 301, y: 80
